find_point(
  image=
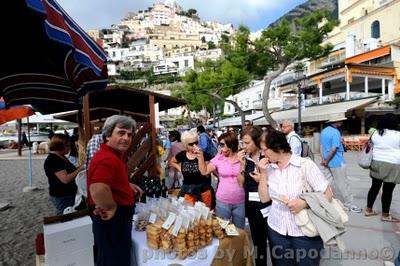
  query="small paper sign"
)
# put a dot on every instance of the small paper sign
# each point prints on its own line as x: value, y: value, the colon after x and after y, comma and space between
x: 231, y: 230
x: 177, y: 226
x: 170, y: 220
x: 152, y: 218
x: 222, y: 223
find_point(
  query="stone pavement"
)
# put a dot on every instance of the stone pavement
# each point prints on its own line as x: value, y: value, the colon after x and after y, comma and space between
x: 368, y: 240
x: 12, y: 154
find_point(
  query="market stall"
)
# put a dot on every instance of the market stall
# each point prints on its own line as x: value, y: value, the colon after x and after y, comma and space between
x: 140, y: 105
x: 172, y: 232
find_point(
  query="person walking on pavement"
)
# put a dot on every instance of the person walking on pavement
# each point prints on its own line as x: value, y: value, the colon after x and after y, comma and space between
x: 333, y: 163
x: 111, y: 195
x: 385, y: 166
x: 291, y: 136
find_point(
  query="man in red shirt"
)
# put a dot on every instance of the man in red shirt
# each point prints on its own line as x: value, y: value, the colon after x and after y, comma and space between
x: 111, y: 195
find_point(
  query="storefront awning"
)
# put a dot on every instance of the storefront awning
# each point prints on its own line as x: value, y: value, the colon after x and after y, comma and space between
x: 236, y: 121
x: 317, y: 113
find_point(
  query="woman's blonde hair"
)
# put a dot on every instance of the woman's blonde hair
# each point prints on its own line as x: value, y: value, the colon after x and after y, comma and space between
x: 188, y: 137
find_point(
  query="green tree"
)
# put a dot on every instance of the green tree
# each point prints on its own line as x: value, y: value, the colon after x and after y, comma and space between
x: 212, y: 83
x: 285, y: 44
x: 211, y: 45
x: 192, y: 12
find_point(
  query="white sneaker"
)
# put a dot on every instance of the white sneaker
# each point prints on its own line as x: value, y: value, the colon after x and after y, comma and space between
x: 356, y: 209
x: 352, y: 208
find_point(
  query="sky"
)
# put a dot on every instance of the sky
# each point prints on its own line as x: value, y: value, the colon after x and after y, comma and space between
x: 256, y: 14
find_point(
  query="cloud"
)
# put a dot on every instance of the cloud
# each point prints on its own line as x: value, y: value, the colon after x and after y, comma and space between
x: 102, y: 13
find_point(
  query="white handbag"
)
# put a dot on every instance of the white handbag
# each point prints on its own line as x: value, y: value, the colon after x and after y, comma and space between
x: 365, y: 156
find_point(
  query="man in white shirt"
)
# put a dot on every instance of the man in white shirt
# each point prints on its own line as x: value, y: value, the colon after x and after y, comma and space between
x: 291, y: 136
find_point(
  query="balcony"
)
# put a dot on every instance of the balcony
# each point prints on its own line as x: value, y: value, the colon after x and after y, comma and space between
x: 292, y: 101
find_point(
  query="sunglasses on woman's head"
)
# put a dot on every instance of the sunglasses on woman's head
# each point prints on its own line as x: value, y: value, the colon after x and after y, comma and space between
x: 193, y: 143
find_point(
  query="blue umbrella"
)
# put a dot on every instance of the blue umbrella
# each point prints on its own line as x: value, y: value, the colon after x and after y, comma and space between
x: 50, y: 62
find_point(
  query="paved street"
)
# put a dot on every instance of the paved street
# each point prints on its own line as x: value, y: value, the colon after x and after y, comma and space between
x: 368, y: 240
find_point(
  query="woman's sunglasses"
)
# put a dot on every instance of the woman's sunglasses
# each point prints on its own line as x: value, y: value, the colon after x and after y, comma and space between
x: 221, y: 144
x: 193, y: 143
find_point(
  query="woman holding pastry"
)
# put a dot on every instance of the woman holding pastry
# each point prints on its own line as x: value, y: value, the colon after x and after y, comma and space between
x: 256, y: 211
x: 280, y: 179
x: 196, y: 186
x: 230, y: 192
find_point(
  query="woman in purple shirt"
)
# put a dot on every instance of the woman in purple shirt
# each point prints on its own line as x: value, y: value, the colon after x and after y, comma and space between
x: 230, y: 193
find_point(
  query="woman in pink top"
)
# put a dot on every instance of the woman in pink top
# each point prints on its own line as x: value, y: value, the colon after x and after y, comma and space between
x: 230, y: 192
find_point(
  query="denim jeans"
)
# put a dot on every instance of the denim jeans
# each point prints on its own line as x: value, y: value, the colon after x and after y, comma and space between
x: 62, y: 202
x: 234, y: 212
x: 294, y: 251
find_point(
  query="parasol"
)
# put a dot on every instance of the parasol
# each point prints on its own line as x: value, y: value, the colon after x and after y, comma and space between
x: 50, y: 62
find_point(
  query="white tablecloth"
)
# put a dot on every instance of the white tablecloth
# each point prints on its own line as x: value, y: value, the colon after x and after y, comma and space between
x: 147, y: 256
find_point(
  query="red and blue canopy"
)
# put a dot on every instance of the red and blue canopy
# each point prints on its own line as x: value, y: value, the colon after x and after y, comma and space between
x: 48, y: 60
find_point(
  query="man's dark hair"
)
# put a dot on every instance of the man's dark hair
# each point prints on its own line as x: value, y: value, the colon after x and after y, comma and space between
x: 175, y: 135
x: 387, y: 121
x: 248, y: 121
x: 277, y: 142
x: 201, y: 129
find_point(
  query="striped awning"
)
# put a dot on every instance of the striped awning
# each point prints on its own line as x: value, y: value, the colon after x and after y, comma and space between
x: 50, y: 62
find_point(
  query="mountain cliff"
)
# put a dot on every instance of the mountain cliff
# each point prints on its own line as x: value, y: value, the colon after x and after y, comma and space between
x: 309, y: 7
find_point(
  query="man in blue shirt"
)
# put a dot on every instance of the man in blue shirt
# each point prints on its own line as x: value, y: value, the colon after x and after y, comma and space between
x: 205, y: 142
x: 334, y: 165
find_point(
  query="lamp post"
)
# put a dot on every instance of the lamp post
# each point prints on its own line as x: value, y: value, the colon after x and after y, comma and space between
x: 299, y: 92
x: 301, y: 79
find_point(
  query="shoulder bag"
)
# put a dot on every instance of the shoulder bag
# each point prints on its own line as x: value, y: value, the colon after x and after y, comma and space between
x: 365, y: 156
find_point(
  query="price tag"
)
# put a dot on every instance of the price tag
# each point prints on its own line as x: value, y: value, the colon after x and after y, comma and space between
x: 152, y: 218
x: 199, y: 204
x: 181, y: 200
x: 174, y: 202
x: 177, y: 226
x: 231, y: 230
x: 204, y: 212
x: 222, y: 223
x: 192, y: 215
x: 170, y: 220
x: 198, y: 214
x: 185, y: 222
